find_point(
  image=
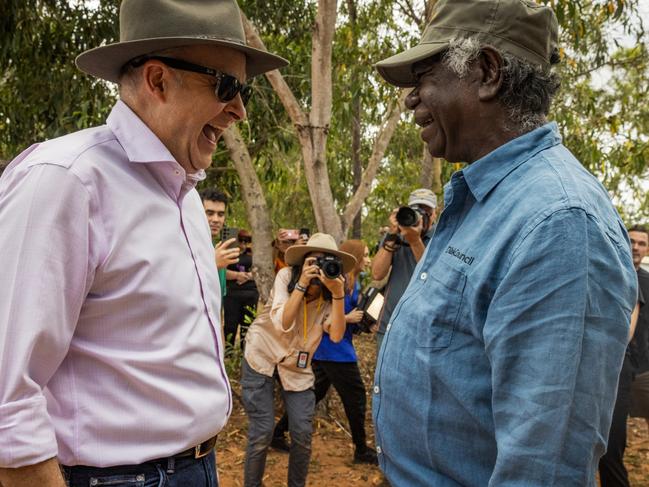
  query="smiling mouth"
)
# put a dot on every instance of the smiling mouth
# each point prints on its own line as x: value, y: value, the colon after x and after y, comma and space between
x: 210, y: 133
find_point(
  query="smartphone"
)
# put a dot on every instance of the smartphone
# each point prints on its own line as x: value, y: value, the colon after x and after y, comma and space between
x: 228, y: 233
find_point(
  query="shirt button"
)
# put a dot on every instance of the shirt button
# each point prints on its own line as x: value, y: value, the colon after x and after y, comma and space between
x: 177, y: 172
x: 378, y: 449
x: 376, y: 389
x: 423, y: 276
x: 388, y: 327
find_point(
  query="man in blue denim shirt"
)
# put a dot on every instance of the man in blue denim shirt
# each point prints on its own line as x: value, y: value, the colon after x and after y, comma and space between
x: 500, y: 363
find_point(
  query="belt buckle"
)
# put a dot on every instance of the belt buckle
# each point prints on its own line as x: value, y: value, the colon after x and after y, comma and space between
x: 208, y: 445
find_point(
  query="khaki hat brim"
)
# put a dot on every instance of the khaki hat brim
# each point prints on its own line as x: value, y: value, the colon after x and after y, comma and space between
x: 397, y: 69
x: 106, y: 62
x: 294, y: 255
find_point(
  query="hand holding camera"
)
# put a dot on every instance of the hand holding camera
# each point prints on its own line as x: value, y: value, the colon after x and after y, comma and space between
x: 354, y: 316
x: 327, y: 269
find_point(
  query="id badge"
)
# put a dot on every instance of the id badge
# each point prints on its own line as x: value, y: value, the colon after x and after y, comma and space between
x: 302, y: 360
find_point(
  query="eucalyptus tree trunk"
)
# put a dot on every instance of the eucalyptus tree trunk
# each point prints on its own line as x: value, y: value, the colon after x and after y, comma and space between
x: 312, y: 127
x: 256, y: 209
x: 426, y: 173
x: 437, y: 176
x: 357, y: 166
x: 313, y: 137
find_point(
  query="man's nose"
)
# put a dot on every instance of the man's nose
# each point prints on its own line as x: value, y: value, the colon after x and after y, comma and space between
x: 412, y: 100
x: 236, y: 109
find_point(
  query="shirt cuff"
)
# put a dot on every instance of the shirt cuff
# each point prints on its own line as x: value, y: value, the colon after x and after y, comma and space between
x: 27, y: 433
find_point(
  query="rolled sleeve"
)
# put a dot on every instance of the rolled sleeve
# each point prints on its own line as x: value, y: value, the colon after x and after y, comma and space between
x: 26, y: 432
x: 555, y: 337
x: 280, y: 296
x: 45, y: 215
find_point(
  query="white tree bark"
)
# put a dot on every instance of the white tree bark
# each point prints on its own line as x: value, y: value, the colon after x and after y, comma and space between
x: 312, y: 128
x: 378, y: 151
x: 256, y: 209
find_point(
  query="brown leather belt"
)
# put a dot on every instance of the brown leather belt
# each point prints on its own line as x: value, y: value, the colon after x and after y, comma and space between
x: 199, y: 450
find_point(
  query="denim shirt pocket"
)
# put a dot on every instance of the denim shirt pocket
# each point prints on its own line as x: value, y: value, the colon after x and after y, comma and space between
x: 442, y: 296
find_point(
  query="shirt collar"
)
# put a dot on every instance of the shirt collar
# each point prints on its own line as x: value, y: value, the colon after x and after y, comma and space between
x: 484, y: 174
x: 140, y: 143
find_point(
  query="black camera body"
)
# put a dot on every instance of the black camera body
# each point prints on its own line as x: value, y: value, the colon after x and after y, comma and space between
x: 331, y: 265
x: 408, y: 216
x: 371, y: 304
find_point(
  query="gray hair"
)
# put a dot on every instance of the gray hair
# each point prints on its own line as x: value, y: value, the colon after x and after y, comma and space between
x: 526, y: 92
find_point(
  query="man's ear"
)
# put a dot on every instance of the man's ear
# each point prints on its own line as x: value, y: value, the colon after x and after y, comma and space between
x: 155, y: 79
x: 490, y: 64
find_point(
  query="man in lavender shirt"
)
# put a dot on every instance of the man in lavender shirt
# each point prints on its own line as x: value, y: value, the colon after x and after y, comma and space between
x: 111, y: 361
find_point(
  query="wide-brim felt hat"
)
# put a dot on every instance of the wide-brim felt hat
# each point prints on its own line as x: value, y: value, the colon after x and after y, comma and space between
x: 147, y: 26
x: 319, y: 242
x: 522, y: 28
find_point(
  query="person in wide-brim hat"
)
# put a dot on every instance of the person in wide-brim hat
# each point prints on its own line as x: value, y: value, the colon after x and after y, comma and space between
x: 281, y: 342
x: 147, y: 26
x: 319, y: 242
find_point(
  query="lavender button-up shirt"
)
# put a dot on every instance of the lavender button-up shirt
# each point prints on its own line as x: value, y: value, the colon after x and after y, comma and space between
x: 110, y: 349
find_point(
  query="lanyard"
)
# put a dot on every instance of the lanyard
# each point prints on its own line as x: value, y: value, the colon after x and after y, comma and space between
x: 305, y: 314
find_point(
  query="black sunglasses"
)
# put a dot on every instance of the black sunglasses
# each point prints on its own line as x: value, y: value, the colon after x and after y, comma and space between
x: 227, y: 86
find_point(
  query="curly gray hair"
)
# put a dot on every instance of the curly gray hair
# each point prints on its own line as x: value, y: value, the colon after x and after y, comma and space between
x: 526, y: 92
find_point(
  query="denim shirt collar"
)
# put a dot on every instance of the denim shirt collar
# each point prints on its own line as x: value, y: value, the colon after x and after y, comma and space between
x: 484, y: 174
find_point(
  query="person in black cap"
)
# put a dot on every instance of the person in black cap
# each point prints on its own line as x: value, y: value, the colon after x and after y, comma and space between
x: 500, y: 362
x: 111, y: 356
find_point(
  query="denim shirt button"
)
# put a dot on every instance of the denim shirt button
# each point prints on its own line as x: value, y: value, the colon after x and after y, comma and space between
x: 378, y: 449
x: 388, y: 327
x: 376, y: 389
x: 423, y: 276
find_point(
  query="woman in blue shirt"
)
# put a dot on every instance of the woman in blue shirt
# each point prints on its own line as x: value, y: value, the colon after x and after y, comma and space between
x: 336, y: 364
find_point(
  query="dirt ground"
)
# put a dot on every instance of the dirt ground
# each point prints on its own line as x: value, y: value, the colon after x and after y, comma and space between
x: 331, y: 462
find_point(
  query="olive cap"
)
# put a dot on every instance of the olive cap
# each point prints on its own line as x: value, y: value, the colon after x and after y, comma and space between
x: 521, y: 28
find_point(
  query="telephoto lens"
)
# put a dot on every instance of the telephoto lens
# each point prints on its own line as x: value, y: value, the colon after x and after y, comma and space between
x: 331, y: 266
x: 407, y: 216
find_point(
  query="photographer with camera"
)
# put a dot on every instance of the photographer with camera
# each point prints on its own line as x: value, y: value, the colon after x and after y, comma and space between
x: 337, y: 364
x: 306, y: 299
x: 411, y: 227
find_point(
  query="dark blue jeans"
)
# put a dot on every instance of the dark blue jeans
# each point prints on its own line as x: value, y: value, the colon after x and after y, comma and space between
x: 181, y: 472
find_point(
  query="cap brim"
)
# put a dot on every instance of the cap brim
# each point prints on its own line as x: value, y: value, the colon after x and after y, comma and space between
x: 397, y: 69
x: 294, y: 255
x: 106, y: 62
x: 422, y: 202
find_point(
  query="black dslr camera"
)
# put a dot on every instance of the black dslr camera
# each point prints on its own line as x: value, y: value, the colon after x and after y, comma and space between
x: 331, y: 265
x: 371, y: 304
x: 408, y: 216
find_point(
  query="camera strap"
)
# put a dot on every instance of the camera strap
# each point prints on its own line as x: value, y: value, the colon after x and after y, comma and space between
x: 305, y: 321
x: 303, y: 355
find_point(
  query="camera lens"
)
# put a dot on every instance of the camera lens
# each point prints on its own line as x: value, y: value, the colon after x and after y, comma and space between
x: 332, y: 269
x: 407, y: 217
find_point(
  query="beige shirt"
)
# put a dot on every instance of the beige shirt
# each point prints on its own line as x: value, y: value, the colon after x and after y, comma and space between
x: 268, y: 345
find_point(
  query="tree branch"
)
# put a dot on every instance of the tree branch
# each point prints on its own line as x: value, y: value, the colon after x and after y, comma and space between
x: 378, y: 152
x: 321, y: 64
x: 613, y: 64
x: 295, y: 112
x: 409, y: 11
